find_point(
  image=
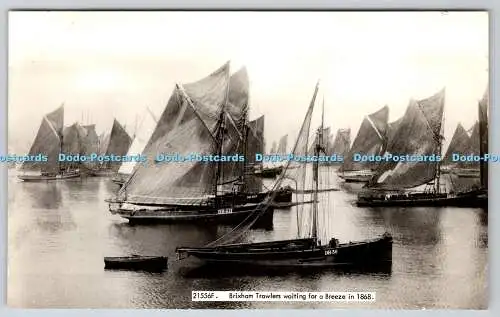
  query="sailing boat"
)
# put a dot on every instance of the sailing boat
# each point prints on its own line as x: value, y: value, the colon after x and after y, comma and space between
x: 419, y: 132
x: 460, y: 143
x: 470, y: 169
x: 48, y: 142
x: 145, y: 130
x: 370, y: 140
x: 198, y: 118
x: 277, y: 168
x: 300, y: 252
x: 341, y: 144
x: 117, y: 145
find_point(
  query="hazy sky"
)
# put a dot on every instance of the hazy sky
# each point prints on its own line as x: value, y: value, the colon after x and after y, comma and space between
x: 114, y: 64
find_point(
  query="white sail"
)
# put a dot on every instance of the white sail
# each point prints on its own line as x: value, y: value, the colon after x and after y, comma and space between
x: 145, y: 129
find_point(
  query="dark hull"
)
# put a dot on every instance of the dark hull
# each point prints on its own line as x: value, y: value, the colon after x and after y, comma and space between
x: 269, y: 172
x: 153, y: 263
x: 472, y: 200
x: 201, y: 216
x: 282, y: 197
x: 43, y: 178
x: 355, y: 177
x: 295, y: 253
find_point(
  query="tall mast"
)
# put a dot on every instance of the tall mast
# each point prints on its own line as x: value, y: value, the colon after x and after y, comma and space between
x: 245, y: 149
x: 317, y: 151
x: 220, y: 137
x: 437, y: 183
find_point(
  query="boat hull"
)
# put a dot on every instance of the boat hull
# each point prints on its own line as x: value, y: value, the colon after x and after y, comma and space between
x: 363, y: 253
x: 356, y: 177
x: 154, y: 263
x: 46, y: 178
x: 472, y: 200
x: 269, y: 172
x: 203, y: 215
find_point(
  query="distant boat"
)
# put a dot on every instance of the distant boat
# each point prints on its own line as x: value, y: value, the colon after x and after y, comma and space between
x: 48, y: 142
x: 274, y: 169
x: 136, y: 262
x: 117, y: 144
x: 370, y: 140
x: 300, y: 252
x: 417, y: 183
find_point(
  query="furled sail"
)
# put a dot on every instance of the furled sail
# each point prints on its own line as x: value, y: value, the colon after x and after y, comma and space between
x: 119, y: 143
x: 418, y: 133
x: 369, y: 141
x: 145, y: 129
x: 459, y: 144
x: 188, y: 125
x: 47, y: 142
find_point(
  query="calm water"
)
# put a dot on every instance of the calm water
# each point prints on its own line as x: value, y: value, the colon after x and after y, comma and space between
x: 60, y: 232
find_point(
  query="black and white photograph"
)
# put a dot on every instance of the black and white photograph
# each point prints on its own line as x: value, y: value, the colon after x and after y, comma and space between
x: 248, y: 159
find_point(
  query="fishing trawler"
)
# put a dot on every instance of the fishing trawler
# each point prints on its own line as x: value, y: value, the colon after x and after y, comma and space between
x: 48, y: 142
x: 207, y: 117
x: 300, y: 252
x: 401, y: 183
x: 371, y: 140
x: 117, y: 144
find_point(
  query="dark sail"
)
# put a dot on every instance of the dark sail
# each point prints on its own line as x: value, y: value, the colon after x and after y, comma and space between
x: 419, y: 133
x: 187, y: 125
x: 483, y: 132
x: 342, y: 142
x: 459, y: 144
x: 255, y: 144
x: 73, y: 143
x: 369, y: 141
x: 119, y: 143
x: 47, y: 142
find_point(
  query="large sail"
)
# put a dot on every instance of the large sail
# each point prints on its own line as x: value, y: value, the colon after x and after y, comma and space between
x: 294, y: 172
x: 187, y: 125
x: 282, y: 145
x: 47, y: 142
x: 145, y: 129
x: 119, y: 143
x: 255, y: 144
x: 342, y: 142
x: 418, y: 133
x: 369, y: 141
x: 236, y: 109
x: 483, y: 132
x: 459, y: 144
x: 73, y: 143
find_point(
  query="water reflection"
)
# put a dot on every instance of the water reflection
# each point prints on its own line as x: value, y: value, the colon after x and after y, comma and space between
x: 60, y: 232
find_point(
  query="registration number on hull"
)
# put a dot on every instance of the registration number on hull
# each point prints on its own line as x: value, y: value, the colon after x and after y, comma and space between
x: 330, y: 252
x: 225, y: 211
